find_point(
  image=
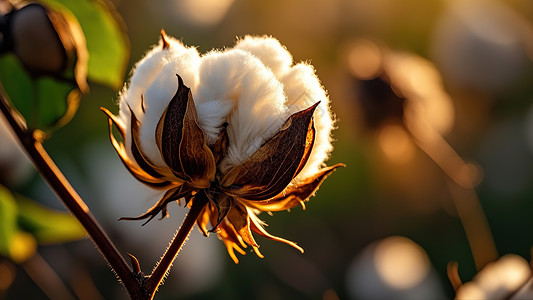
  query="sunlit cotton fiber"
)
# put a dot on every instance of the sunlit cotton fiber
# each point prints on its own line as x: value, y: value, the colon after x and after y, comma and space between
x: 234, y: 132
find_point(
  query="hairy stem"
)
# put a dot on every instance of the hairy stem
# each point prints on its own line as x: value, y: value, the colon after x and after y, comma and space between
x: 70, y: 198
x: 181, y: 236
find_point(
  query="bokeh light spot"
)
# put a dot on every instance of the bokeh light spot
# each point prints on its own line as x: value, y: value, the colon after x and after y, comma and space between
x: 400, y: 262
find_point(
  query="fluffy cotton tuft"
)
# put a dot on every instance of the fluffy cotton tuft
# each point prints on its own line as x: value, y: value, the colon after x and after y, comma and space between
x: 269, y: 50
x: 254, y: 87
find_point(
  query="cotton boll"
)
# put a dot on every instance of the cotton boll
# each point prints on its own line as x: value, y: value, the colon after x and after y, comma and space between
x: 240, y: 86
x: 302, y: 88
x: 269, y: 50
x: 232, y: 87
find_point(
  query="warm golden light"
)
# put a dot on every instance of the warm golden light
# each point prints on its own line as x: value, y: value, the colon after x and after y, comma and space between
x: 203, y: 12
x: 365, y: 60
x: 419, y: 81
x: 400, y: 262
x: 508, y: 273
x: 396, y: 143
x: 470, y: 290
x: 497, y: 279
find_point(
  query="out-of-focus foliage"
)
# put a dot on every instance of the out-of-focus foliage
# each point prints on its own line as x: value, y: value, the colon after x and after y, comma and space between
x: 42, y: 101
x: 24, y: 224
x: 107, y: 43
x: 48, y: 101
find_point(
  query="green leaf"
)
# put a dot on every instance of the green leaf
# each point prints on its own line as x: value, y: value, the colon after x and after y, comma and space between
x: 107, y: 42
x: 8, y: 220
x: 44, y: 102
x: 47, y: 225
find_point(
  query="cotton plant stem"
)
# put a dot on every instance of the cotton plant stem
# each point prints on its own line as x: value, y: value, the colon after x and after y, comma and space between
x: 464, y: 176
x: 46, y: 278
x: 57, y: 181
x: 155, y: 279
x: 475, y: 225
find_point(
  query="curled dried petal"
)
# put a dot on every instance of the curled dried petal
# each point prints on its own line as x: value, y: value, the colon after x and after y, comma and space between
x: 136, y: 171
x: 239, y: 218
x: 204, y: 218
x: 230, y: 238
x: 257, y: 227
x: 171, y: 195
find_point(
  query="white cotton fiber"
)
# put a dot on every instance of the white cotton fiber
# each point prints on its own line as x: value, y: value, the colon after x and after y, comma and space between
x: 254, y: 87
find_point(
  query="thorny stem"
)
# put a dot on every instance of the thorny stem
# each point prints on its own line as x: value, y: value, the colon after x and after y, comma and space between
x: 57, y: 181
x: 181, y: 236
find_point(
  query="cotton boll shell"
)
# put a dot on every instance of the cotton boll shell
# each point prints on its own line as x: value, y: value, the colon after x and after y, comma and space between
x: 36, y: 42
x: 47, y: 42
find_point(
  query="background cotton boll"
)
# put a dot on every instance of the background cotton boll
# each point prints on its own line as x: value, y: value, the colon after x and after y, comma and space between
x: 526, y: 292
x: 192, y: 13
x: 507, y: 168
x: 480, y: 45
x: 498, y: 279
x: 269, y: 50
x: 392, y: 268
x: 417, y: 79
x: 201, y: 262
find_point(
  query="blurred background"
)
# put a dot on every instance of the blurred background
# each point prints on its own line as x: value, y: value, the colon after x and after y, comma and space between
x: 434, y: 111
